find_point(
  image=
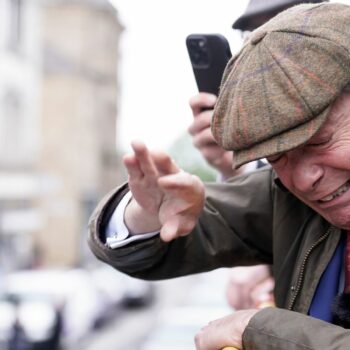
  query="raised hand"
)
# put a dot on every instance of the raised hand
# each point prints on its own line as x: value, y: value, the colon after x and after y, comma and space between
x: 164, y: 196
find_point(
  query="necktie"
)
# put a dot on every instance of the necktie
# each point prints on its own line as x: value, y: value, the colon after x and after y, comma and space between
x: 341, y: 305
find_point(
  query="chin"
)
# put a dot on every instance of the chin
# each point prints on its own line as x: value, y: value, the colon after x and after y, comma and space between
x: 340, y: 221
x: 338, y: 217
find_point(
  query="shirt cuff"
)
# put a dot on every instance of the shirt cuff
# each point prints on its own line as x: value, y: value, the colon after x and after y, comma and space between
x: 117, y: 234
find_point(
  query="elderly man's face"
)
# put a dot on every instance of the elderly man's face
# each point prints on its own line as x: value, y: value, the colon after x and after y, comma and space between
x: 318, y: 172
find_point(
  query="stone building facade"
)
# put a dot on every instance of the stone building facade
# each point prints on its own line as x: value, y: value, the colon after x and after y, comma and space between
x: 59, y: 106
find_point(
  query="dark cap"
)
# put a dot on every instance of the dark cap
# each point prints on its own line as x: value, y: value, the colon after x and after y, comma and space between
x: 260, y: 11
x: 277, y: 91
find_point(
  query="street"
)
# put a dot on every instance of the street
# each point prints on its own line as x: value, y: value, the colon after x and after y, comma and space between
x: 132, y: 326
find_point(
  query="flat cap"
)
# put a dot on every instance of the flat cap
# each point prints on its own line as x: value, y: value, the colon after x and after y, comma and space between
x: 277, y: 91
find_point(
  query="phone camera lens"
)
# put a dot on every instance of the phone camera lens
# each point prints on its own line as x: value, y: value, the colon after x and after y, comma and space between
x: 201, y: 43
x: 198, y: 51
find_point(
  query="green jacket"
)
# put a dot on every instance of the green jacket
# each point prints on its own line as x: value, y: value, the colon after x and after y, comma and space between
x: 250, y: 220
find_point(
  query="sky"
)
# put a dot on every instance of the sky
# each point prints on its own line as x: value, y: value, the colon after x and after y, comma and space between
x: 155, y: 75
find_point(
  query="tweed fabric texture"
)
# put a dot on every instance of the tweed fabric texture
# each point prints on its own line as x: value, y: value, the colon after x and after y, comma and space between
x: 277, y: 91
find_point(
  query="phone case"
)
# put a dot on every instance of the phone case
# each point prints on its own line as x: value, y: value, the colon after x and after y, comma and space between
x: 209, y: 54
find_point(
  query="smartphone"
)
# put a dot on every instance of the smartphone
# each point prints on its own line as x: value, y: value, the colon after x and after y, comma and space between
x: 209, y: 54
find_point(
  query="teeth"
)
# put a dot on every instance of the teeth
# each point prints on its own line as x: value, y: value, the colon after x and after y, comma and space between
x: 337, y: 193
x: 327, y: 199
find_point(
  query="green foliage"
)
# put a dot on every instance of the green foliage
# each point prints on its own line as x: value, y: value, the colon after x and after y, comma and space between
x: 188, y: 158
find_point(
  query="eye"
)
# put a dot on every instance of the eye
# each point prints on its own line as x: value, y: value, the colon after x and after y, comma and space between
x: 318, y: 143
x: 275, y: 158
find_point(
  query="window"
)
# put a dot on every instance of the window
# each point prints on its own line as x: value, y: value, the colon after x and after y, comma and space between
x: 15, y: 24
x: 11, y: 145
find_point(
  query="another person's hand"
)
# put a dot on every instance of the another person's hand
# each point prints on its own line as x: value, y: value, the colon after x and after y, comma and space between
x: 262, y: 294
x: 164, y: 196
x: 227, y: 331
x: 202, y: 109
x: 249, y: 287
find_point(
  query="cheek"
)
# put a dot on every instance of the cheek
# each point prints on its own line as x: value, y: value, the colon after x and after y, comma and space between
x: 344, y: 160
x: 284, y: 175
x: 337, y: 157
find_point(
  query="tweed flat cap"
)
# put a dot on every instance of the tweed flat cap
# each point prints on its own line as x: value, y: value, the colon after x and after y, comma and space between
x: 276, y: 92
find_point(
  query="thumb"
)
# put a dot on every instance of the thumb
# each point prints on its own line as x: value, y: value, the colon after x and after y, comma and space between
x: 169, y: 230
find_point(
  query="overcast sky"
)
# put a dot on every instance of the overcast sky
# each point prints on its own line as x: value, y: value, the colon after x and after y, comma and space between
x: 155, y: 75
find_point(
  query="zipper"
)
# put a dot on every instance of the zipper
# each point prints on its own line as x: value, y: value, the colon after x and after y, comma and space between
x: 303, y: 265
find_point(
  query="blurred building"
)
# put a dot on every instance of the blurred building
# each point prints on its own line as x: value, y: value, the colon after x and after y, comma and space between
x: 58, y: 107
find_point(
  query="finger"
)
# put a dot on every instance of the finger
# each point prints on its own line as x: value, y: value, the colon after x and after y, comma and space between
x: 262, y: 294
x: 198, y: 339
x: 204, y: 138
x: 215, y: 155
x: 177, y: 224
x: 186, y: 225
x: 202, y: 101
x: 250, y: 276
x: 188, y: 190
x: 144, y: 158
x: 132, y: 167
x: 200, y: 122
x: 263, y: 286
x: 169, y: 230
x: 178, y: 181
x: 164, y: 164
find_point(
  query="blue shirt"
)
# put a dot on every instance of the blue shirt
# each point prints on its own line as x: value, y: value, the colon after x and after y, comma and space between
x: 328, y: 286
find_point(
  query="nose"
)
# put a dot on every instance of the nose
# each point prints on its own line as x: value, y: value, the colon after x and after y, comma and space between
x: 306, y: 172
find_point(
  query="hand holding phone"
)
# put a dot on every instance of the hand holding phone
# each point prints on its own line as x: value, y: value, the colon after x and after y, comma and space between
x: 209, y: 54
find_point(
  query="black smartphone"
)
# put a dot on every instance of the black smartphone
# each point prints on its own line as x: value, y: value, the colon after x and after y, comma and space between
x: 209, y: 54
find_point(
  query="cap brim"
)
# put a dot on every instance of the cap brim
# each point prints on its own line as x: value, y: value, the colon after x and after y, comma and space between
x: 283, y: 142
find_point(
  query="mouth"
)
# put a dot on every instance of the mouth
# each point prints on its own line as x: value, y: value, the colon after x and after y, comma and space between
x: 339, y: 192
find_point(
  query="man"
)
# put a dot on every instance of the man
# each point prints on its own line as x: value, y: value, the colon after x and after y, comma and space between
x: 284, y: 97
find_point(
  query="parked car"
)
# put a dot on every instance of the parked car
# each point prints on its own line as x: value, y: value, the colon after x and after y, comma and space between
x: 7, y: 321
x: 29, y: 322
x: 137, y: 293
x: 70, y: 293
x: 119, y: 288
